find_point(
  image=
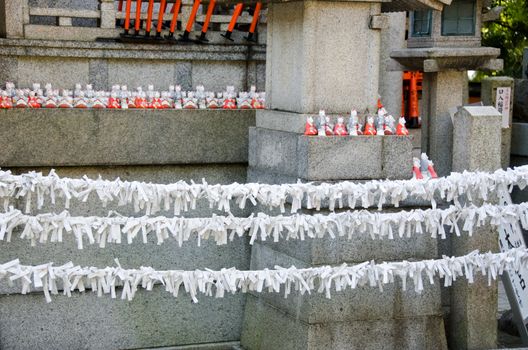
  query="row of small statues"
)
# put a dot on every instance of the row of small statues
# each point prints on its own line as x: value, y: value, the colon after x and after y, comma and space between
x: 121, y: 98
x: 382, y: 124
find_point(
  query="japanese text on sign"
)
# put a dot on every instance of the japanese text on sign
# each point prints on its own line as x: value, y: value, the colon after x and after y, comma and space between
x: 502, y: 104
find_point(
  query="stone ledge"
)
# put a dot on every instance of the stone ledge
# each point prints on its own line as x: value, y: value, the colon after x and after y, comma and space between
x: 266, y: 327
x: 360, y: 304
x: 330, y: 158
x: 109, y: 50
x: 72, y: 137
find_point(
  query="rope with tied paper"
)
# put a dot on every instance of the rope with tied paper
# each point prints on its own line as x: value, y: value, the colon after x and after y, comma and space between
x: 218, y: 283
x: 101, y: 230
x: 183, y: 196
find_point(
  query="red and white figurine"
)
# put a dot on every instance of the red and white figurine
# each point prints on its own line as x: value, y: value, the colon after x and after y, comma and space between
x: 309, y: 127
x: 401, y: 130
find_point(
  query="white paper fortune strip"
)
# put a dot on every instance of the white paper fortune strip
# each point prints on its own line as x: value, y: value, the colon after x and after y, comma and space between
x: 115, y: 229
x: 208, y: 282
x: 183, y: 196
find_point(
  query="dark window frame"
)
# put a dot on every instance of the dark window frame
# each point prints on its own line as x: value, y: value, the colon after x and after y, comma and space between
x: 458, y: 19
x: 428, y: 19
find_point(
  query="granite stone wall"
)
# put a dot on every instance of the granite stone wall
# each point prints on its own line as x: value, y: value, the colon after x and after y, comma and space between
x: 103, y: 64
x: 153, y: 319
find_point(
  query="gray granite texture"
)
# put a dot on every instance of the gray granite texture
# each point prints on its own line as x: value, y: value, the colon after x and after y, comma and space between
x: 488, y: 96
x: 520, y: 100
x: 477, y: 139
x: 363, y: 303
x: 152, y: 319
x: 117, y: 137
x: 476, y: 146
x: 442, y: 92
x: 390, y: 82
x: 267, y: 328
x: 309, y: 69
x: 65, y: 63
x: 330, y: 158
x: 519, y: 147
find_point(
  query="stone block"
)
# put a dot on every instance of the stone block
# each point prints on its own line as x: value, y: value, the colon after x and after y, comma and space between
x: 136, y: 73
x: 153, y: 319
x: 442, y: 91
x: 8, y: 69
x: 305, y: 68
x: 108, y: 13
x: 98, y: 74
x: 166, y: 256
x: 13, y: 22
x: 217, y: 75
x: 266, y: 327
x: 118, y: 137
x: 520, y: 100
x: 489, y: 94
x: 360, y: 304
x: 477, y: 139
x: 339, y: 250
x: 65, y: 63
x: 65, y: 21
x: 62, y: 73
x: 518, y: 141
x: 390, y: 83
x: 330, y: 158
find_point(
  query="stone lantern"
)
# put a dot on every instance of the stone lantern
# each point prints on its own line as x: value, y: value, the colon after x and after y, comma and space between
x: 445, y: 45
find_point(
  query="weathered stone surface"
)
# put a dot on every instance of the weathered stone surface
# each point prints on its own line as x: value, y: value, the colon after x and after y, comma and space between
x: 217, y: 75
x: 390, y: 83
x: 520, y: 100
x: 152, y: 319
x: 8, y: 69
x: 363, y: 303
x: 64, y: 63
x: 60, y: 72
x: 442, y: 91
x: 361, y: 248
x: 473, y: 323
x: 488, y: 96
x: 266, y: 327
x: 477, y: 139
x: 12, y: 22
x: 330, y: 158
x: 447, y: 58
x: 82, y: 49
x: 189, y: 256
x: 98, y: 74
x: 118, y: 137
x: 305, y: 68
x: 518, y: 142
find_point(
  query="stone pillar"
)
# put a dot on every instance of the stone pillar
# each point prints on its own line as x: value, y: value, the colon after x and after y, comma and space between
x: 322, y: 55
x: 473, y: 316
x: 390, y: 82
x: 108, y: 13
x: 489, y: 95
x: 12, y: 17
x: 326, y: 55
x: 442, y: 91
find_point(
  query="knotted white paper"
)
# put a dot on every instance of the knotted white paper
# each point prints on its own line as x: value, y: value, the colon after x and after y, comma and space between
x: 323, y: 279
x: 222, y: 229
x: 182, y: 196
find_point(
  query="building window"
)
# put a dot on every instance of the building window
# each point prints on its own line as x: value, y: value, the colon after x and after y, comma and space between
x: 459, y: 18
x: 421, y: 23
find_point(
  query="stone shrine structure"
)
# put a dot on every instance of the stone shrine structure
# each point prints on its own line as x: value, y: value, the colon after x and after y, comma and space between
x: 319, y: 55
